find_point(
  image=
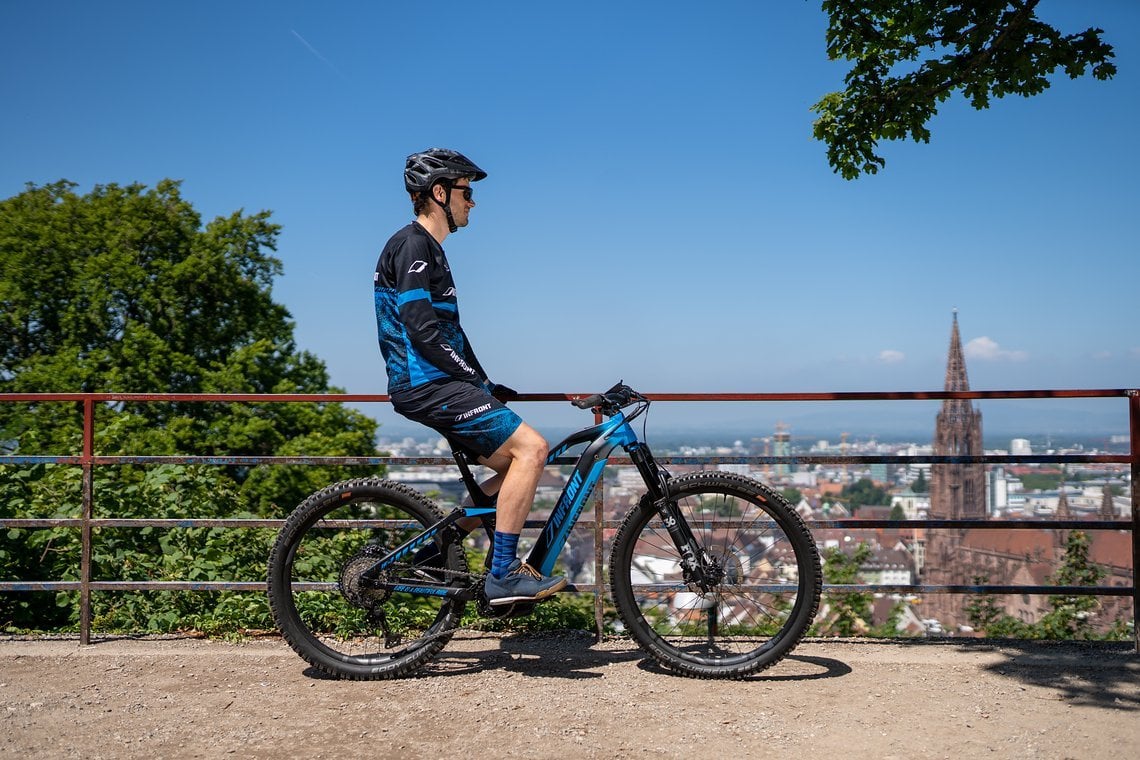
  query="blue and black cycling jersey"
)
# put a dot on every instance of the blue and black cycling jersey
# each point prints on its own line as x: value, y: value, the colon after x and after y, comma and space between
x: 417, y: 314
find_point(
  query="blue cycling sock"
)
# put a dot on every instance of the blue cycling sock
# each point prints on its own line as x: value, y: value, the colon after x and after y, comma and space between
x: 506, y: 547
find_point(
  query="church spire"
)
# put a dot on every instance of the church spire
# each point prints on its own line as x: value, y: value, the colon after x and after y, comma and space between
x: 956, y: 379
x: 1064, y: 512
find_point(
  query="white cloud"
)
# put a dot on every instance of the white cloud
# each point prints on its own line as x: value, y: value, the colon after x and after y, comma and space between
x: 986, y: 349
x: 890, y: 356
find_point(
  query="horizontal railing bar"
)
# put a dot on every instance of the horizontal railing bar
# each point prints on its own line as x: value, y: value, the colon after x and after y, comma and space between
x: 194, y: 586
x: 996, y: 589
x: 893, y: 459
x: 662, y: 587
x: 379, y: 397
x: 975, y: 524
x: 845, y: 588
x: 255, y: 522
x: 233, y: 460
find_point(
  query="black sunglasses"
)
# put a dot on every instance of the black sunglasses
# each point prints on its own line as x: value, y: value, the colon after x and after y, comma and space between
x: 467, y: 191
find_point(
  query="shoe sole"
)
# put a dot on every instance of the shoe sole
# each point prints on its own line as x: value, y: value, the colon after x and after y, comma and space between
x: 545, y: 593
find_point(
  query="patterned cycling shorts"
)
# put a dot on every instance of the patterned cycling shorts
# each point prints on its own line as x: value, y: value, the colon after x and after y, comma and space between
x: 467, y: 415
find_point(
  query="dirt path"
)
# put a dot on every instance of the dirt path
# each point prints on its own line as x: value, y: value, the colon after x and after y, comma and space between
x: 565, y: 696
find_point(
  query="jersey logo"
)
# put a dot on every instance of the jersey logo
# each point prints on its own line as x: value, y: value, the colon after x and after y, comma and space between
x: 417, y: 267
x: 448, y: 293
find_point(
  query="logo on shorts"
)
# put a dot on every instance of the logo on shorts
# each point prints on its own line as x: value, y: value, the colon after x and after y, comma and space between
x: 417, y: 267
x: 448, y: 293
x: 472, y: 413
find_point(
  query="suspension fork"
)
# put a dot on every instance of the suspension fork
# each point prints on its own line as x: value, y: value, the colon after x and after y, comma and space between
x: 694, y: 560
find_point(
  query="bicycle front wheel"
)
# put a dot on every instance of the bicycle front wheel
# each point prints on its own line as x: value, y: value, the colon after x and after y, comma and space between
x: 328, y: 615
x: 763, y: 601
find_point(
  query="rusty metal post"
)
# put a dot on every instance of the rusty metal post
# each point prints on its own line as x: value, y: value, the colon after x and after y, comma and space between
x: 599, y: 527
x: 88, y: 464
x: 1134, y: 451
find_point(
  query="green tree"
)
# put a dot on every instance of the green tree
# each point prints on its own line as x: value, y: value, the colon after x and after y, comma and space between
x: 863, y: 492
x: 793, y: 495
x: 986, y: 616
x: 1041, y: 481
x: 1071, y: 616
x: 908, y: 56
x: 920, y: 484
x: 850, y: 611
x: 124, y: 289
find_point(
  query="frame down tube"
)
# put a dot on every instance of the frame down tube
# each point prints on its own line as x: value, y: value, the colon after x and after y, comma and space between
x: 603, y: 439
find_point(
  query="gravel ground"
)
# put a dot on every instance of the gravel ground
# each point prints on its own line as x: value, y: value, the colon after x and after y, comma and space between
x: 563, y: 695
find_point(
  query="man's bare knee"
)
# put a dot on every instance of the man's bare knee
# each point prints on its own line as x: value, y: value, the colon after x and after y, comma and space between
x: 526, y: 447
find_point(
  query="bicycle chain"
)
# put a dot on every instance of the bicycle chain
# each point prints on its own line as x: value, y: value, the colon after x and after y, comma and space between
x: 372, y: 599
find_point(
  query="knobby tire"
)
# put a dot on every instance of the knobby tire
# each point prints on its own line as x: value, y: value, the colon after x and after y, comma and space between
x: 319, y: 554
x: 755, y: 615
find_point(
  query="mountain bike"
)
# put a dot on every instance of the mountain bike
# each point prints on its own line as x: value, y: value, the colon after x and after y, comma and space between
x: 712, y: 573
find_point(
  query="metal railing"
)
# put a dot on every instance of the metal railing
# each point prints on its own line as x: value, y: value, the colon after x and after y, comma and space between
x: 88, y: 460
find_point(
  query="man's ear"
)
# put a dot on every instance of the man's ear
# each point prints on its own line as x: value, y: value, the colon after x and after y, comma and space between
x: 438, y: 192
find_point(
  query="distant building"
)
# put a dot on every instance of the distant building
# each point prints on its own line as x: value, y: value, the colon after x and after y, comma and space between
x: 915, y: 506
x: 782, y: 447
x: 957, y: 490
x: 1006, y: 557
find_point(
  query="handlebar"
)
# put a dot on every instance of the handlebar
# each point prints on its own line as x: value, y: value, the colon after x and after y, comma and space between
x: 617, y: 397
x: 587, y: 402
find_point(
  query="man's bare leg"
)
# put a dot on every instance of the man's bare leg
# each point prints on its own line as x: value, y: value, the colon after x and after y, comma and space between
x: 519, y: 462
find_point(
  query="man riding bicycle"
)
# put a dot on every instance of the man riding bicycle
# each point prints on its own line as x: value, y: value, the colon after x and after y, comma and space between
x: 433, y: 375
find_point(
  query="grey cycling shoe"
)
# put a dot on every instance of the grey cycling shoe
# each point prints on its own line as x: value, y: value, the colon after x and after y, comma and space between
x: 522, y: 583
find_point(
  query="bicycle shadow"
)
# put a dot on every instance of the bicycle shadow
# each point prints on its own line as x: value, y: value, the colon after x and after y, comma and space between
x: 810, y: 668
x: 576, y: 655
x: 570, y: 654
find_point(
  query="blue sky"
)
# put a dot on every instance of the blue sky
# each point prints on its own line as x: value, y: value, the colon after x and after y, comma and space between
x: 656, y: 208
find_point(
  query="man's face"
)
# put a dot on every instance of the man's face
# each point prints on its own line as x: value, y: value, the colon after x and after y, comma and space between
x: 460, y: 206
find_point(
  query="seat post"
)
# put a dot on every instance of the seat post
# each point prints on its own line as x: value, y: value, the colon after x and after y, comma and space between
x: 478, y: 497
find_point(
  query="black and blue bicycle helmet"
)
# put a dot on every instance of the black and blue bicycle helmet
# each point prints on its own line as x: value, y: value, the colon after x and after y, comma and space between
x: 434, y: 164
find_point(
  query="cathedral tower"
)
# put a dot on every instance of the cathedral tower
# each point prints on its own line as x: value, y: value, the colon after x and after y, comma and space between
x: 957, y: 490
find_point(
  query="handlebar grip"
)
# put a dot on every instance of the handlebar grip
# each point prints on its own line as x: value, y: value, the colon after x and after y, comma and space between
x: 588, y: 402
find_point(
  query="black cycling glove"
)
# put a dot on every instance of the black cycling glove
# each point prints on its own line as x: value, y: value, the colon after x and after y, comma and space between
x: 502, y: 393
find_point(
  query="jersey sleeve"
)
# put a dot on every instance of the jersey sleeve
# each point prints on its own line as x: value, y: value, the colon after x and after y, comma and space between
x: 413, y: 286
x: 472, y: 359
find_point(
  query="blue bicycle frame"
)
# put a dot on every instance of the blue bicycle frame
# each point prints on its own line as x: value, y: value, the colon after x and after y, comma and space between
x: 601, y: 440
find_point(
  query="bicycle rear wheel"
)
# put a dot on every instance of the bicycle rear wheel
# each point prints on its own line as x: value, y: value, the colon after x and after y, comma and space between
x: 761, y: 607
x: 332, y: 620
